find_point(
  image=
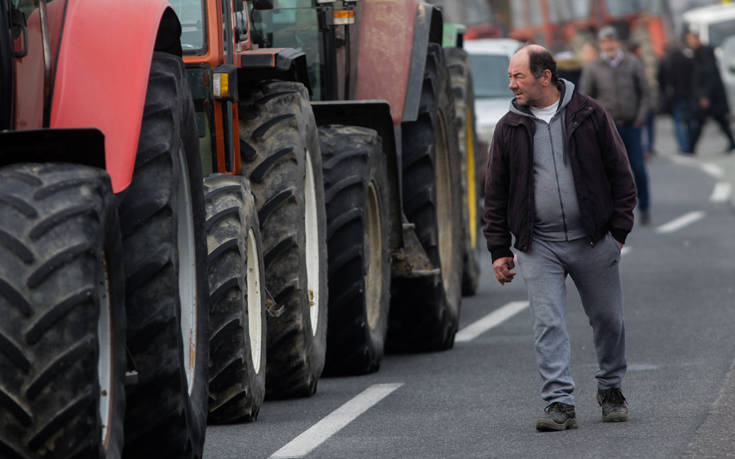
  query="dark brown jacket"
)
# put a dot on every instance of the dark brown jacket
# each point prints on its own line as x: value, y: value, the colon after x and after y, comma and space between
x: 602, y: 177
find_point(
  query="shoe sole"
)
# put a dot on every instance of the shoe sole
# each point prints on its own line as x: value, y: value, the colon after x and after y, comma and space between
x: 615, y: 417
x: 545, y: 425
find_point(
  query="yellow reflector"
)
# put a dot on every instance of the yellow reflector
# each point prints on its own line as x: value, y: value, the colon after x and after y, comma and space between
x: 344, y: 17
x: 221, y: 85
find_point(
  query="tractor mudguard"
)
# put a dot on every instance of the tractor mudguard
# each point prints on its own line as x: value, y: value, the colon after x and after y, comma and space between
x: 372, y: 114
x: 102, y: 72
x: 286, y: 64
x: 394, y: 35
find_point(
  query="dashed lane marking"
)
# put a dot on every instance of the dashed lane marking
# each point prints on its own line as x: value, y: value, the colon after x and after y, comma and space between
x: 713, y: 170
x: 721, y: 193
x: 491, y: 320
x: 681, y: 222
x: 335, y: 421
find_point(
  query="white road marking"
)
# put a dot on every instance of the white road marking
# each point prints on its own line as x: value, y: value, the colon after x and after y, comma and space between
x: 713, y: 170
x: 491, y: 320
x: 335, y: 421
x: 681, y: 222
x: 683, y: 160
x: 721, y: 193
x: 710, y: 169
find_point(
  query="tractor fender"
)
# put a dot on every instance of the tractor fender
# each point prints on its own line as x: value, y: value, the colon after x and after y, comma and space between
x: 102, y: 72
x: 394, y: 36
x: 262, y: 64
x: 375, y: 115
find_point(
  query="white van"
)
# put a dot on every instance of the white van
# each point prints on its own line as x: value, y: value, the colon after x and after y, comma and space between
x: 490, y: 58
x: 713, y: 23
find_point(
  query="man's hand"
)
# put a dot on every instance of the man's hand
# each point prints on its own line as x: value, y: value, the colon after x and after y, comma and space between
x: 502, y: 267
x: 704, y: 102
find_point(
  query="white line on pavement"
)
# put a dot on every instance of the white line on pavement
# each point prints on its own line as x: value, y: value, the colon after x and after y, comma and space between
x: 491, y: 320
x: 709, y: 168
x: 335, y: 421
x: 713, y: 170
x: 681, y: 222
x: 721, y: 193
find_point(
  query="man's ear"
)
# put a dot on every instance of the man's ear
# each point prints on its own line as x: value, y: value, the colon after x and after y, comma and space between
x: 547, y: 77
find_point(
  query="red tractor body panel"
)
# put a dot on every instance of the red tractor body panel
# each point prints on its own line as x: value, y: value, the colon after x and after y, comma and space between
x: 102, y: 74
x: 384, y: 58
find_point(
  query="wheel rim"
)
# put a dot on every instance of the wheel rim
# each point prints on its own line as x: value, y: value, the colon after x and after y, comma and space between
x: 104, y: 362
x: 471, y: 184
x: 373, y: 258
x: 443, y: 203
x: 312, y: 245
x: 255, y: 326
x: 187, y: 271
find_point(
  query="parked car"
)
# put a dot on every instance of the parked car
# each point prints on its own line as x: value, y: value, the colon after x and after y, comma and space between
x: 490, y: 59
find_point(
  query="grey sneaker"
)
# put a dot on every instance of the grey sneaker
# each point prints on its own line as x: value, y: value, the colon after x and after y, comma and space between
x: 559, y: 416
x: 614, y: 407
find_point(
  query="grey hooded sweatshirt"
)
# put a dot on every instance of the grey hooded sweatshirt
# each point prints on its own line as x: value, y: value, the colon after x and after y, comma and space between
x: 556, y: 205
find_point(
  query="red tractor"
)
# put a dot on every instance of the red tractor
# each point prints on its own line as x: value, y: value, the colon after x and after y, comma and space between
x: 103, y: 270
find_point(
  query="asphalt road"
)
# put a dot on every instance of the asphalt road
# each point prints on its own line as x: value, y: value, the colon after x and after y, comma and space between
x: 481, y: 399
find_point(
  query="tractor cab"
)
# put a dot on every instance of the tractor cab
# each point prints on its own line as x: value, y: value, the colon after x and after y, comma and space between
x: 324, y: 31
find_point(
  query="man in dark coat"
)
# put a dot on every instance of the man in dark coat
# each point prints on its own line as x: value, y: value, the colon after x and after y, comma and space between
x: 710, y: 98
x: 559, y: 181
x: 675, y: 82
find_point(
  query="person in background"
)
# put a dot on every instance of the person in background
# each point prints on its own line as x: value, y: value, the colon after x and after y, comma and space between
x: 617, y: 80
x: 710, y: 98
x: 649, y: 128
x: 559, y: 181
x: 675, y: 82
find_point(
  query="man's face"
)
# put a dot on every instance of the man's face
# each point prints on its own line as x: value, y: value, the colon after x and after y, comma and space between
x: 609, y: 47
x: 527, y: 89
x: 692, y: 40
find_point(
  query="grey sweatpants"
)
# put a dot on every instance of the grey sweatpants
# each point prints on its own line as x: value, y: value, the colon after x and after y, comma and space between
x: 594, y: 270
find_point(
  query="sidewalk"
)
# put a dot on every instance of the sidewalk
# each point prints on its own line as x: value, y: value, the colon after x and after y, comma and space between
x: 710, y: 157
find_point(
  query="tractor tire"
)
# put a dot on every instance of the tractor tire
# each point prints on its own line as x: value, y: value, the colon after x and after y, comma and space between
x: 236, y: 302
x: 460, y: 73
x: 62, y: 333
x: 358, y: 228
x: 281, y: 157
x: 162, y: 215
x: 425, y: 313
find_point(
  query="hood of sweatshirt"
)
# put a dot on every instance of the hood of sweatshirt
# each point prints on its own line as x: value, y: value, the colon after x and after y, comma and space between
x: 566, y: 89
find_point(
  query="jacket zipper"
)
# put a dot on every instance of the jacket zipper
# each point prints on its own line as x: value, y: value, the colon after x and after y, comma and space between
x: 558, y: 187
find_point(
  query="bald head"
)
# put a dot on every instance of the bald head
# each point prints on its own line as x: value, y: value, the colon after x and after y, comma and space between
x: 533, y: 78
x: 538, y: 59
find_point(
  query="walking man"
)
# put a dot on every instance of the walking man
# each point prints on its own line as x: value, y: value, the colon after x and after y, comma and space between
x: 710, y: 97
x: 559, y: 181
x: 675, y: 83
x: 618, y: 81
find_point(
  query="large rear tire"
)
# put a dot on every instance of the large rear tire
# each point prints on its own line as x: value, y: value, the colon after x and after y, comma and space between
x: 162, y: 215
x: 237, y: 301
x: 62, y: 333
x: 358, y: 228
x: 424, y: 313
x: 281, y: 157
x: 460, y: 72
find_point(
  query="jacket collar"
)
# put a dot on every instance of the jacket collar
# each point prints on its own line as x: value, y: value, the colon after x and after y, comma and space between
x: 575, y: 108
